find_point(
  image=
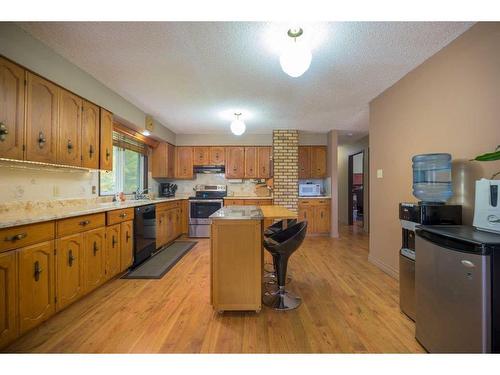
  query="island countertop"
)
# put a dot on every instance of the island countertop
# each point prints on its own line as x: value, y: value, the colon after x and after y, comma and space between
x: 238, y: 213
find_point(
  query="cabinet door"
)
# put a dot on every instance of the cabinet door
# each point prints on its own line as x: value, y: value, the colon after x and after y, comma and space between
x: 94, y: 258
x: 178, y: 223
x: 36, y: 285
x: 264, y: 162
x: 161, y: 233
x: 106, y: 141
x: 217, y: 155
x: 70, y: 129
x: 184, y: 162
x: 42, y: 111
x: 11, y: 110
x: 235, y: 162
x: 184, y: 217
x: 201, y: 155
x: 250, y: 162
x: 304, y: 162
x: 69, y: 276
x: 307, y: 214
x: 170, y: 161
x: 127, y: 245
x: 322, y: 219
x: 159, y: 160
x: 90, y: 135
x: 113, y: 247
x: 8, y: 297
x: 318, y: 161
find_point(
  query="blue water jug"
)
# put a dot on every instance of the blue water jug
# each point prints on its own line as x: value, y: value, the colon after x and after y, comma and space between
x: 432, y: 177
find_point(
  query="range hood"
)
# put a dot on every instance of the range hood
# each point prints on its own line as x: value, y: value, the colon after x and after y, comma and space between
x: 209, y: 169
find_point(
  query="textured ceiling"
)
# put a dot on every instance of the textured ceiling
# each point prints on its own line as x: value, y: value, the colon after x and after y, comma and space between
x: 192, y: 75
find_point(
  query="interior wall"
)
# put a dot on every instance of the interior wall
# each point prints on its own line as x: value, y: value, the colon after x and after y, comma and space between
x: 332, y: 168
x: 344, y: 150
x: 450, y: 103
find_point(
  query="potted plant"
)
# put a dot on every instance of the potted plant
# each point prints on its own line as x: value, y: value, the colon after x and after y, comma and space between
x: 490, y: 156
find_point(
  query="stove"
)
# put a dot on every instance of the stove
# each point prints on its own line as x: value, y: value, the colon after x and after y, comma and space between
x: 207, y: 200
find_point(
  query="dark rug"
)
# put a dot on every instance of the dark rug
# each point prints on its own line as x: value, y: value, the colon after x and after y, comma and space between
x: 160, y: 263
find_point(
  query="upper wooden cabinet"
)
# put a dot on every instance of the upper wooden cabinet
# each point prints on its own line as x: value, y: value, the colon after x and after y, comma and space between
x: 8, y: 297
x: 201, y: 155
x: 42, y: 113
x: 312, y: 162
x: 106, y: 141
x: 90, y: 135
x: 69, y: 141
x: 217, y: 156
x: 12, y: 91
x: 235, y: 162
x: 264, y: 162
x: 250, y: 162
x: 184, y: 162
x: 163, y: 161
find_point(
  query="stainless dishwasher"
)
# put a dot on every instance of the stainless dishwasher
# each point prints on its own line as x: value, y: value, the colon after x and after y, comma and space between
x: 456, y: 287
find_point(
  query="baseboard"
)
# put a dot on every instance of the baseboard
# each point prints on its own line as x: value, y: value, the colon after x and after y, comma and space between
x: 384, y: 267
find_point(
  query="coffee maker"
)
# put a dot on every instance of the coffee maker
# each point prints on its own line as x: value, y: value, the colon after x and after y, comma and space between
x: 487, y: 206
x: 167, y: 189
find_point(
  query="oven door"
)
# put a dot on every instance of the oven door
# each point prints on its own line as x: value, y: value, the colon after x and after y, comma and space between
x: 201, y: 209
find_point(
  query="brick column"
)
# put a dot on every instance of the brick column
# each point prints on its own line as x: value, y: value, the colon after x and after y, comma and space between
x: 286, y: 168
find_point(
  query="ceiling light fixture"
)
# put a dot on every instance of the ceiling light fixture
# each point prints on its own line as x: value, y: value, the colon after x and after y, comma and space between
x: 238, y: 127
x: 146, y: 133
x: 296, y: 58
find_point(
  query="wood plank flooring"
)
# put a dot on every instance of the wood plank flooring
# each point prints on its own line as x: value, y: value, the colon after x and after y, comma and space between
x: 349, y: 306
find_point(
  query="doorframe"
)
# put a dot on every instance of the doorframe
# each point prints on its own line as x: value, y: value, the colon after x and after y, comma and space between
x: 349, y: 185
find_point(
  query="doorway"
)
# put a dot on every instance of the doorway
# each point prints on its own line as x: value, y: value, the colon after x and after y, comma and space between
x: 356, y: 189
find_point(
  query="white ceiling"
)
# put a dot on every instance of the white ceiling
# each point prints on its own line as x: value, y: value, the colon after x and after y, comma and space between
x: 191, y: 76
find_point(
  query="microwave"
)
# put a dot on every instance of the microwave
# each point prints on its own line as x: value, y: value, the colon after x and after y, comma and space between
x: 309, y: 190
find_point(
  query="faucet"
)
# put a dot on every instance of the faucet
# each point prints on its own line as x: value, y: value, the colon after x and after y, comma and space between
x: 139, y: 194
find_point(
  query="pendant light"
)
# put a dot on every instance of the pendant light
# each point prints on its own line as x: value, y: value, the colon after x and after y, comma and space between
x: 238, y: 127
x: 296, y: 58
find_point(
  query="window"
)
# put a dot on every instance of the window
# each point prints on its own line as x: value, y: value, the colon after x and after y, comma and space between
x: 128, y: 175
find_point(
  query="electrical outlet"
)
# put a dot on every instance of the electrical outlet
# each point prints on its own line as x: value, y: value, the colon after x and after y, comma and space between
x: 380, y: 173
x: 55, y: 191
x: 94, y: 189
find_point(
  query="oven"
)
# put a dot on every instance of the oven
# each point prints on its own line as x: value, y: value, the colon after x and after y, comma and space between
x: 199, y: 212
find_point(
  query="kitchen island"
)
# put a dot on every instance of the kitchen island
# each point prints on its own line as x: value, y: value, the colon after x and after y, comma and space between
x: 237, y: 255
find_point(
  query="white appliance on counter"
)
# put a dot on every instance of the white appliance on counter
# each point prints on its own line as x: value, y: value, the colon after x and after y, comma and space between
x: 487, y: 205
x: 309, y: 190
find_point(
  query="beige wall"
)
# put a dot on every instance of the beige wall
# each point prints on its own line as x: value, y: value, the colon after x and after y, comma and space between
x: 450, y: 103
x: 344, y: 151
x: 332, y: 168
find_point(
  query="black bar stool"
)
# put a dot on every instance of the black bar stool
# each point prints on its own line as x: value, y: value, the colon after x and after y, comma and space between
x: 282, y: 245
x: 269, y: 268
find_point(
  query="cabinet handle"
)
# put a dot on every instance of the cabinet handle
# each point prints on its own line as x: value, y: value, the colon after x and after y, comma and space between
x: 123, y: 215
x: 70, y: 146
x: 84, y: 222
x: 113, y: 242
x: 71, y: 258
x: 127, y: 237
x: 41, y: 139
x: 96, y: 249
x: 16, y: 237
x: 38, y: 271
x: 107, y: 154
x: 3, y: 132
x: 91, y: 151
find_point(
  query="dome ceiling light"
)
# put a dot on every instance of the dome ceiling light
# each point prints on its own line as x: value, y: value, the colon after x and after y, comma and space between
x: 296, y: 57
x: 238, y: 127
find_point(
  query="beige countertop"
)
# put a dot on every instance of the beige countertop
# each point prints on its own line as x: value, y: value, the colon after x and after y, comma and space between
x: 317, y: 197
x: 12, y: 218
x: 246, y: 197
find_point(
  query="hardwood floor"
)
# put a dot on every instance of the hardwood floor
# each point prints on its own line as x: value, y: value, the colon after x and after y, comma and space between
x: 349, y: 306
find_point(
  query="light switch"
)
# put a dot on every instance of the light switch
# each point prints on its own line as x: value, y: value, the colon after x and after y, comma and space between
x: 380, y: 173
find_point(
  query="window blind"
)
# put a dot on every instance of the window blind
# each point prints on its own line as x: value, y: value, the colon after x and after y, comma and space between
x: 129, y: 143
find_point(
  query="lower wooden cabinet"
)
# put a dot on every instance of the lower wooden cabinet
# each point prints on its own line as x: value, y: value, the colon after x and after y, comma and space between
x: 184, y: 216
x: 317, y: 214
x: 112, y: 251
x: 36, y: 285
x: 127, y: 245
x: 8, y: 297
x: 94, y: 258
x: 69, y: 263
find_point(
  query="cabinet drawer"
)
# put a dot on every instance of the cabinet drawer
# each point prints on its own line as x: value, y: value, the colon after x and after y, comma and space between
x: 164, y: 206
x: 314, y: 202
x: 79, y: 224
x: 117, y: 216
x: 24, y: 235
x: 305, y: 202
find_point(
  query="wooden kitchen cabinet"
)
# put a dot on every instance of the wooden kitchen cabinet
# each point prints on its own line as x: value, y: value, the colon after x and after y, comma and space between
x: 318, y: 162
x: 307, y: 213
x: 184, y: 208
x: 8, y: 298
x: 94, y: 250
x: 42, y: 116
x: 235, y: 162
x: 163, y: 160
x: 217, y: 155
x: 69, y: 267
x: 90, y: 135
x: 251, y: 162
x: 161, y: 228
x: 264, y: 159
x: 304, y: 162
x: 322, y: 219
x: 12, y: 90
x: 184, y: 162
x: 127, y: 245
x: 106, y: 140
x: 113, y: 249
x: 69, y: 139
x: 36, y: 285
x: 317, y: 214
x: 201, y: 155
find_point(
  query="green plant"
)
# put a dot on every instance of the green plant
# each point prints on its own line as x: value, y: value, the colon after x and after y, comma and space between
x: 490, y: 156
